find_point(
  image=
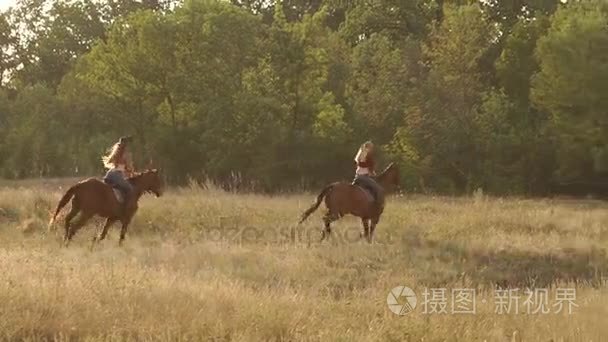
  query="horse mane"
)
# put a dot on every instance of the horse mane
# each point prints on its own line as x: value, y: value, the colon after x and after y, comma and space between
x: 138, y: 175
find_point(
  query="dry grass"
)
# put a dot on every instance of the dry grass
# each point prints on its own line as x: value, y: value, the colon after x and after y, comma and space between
x: 208, y: 265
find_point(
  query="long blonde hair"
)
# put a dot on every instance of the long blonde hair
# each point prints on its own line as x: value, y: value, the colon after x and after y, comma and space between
x: 363, y: 151
x: 114, y: 152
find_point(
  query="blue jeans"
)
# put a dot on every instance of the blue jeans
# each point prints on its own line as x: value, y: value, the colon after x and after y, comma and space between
x: 369, y: 183
x: 117, y: 179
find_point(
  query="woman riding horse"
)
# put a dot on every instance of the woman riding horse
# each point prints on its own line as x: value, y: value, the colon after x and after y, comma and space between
x: 343, y: 198
x: 120, y: 166
x: 92, y: 197
x: 365, y: 172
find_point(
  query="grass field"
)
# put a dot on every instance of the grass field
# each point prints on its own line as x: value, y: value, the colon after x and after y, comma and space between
x: 208, y: 265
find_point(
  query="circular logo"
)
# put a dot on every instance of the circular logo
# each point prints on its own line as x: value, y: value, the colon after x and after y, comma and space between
x: 401, y: 300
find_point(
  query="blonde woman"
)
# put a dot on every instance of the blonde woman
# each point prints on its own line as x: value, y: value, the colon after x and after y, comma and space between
x: 119, y: 165
x: 366, y: 164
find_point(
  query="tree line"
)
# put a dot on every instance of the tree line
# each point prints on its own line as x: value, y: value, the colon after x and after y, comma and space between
x: 507, y: 96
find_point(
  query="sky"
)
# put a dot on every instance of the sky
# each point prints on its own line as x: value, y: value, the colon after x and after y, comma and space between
x: 4, y: 4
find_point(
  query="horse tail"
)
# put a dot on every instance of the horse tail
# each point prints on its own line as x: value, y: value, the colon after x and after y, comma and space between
x: 62, y: 202
x: 316, y: 205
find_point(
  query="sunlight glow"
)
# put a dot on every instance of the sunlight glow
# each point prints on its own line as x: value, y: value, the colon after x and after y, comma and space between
x: 5, y: 4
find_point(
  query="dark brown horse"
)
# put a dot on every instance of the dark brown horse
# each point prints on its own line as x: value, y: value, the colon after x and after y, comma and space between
x: 92, y: 197
x: 343, y: 198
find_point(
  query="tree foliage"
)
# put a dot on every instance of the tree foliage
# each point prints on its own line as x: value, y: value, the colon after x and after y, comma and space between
x: 503, y: 95
x: 570, y: 83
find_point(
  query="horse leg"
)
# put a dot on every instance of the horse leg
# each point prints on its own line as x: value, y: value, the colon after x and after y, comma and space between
x: 328, y: 218
x: 82, y: 220
x: 123, y: 231
x: 372, y: 229
x: 104, y: 230
x: 326, y: 230
x: 365, y: 222
x: 68, y: 219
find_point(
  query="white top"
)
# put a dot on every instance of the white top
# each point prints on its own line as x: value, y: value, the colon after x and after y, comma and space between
x: 361, y: 157
x: 122, y: 164
x: 361, y: 171
x: 119, y: 167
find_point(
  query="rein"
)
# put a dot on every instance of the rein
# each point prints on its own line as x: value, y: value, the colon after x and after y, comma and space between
x: 381, y: 178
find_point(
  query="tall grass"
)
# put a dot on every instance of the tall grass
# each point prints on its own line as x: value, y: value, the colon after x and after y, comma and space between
x: 208, y: 265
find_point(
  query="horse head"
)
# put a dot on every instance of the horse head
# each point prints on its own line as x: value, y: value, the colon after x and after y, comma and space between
x: 148, y: 181
x: 389, y: 179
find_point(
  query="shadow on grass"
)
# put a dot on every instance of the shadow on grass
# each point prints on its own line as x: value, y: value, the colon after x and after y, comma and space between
x: 509, y: 268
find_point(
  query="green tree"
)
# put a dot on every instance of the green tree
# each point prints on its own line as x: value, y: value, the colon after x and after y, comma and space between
x: 52, y: 36
x: 379, y: 85
x: 133, y: 69
x: 573, y: 73
x: 34, y: 143
x: 174, y: 80
x: 218, y: 48
x: 517, y: 62
x: 515, y: 68
x: 305, y: 69
x: 396, y: 19
x: 495, y: 94
x: 7, y: 43
x: 442, y: 120
x: 509, y: 12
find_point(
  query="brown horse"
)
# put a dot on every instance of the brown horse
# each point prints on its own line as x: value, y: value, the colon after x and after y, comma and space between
x: 94, y: 197
x: 343, y: 198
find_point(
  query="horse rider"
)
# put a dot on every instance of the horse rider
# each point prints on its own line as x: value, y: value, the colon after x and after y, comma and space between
x: 366, y: 163
x: 120, y: 166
